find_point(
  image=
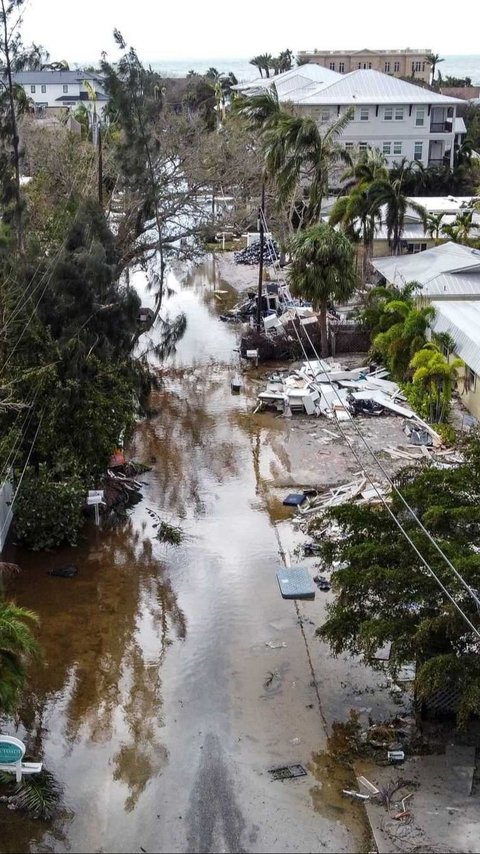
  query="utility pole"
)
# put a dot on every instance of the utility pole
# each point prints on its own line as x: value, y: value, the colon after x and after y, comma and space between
x: 261, y: 213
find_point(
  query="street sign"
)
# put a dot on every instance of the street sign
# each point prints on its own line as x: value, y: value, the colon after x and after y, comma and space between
x: 95, y: 496
x: 12, y: 750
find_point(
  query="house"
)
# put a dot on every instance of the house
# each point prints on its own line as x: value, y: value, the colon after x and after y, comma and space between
x: 417, y: 238
x: 397, y: 117
x: 448, y: 278
x: 399, y: 63
x: 52, y: 91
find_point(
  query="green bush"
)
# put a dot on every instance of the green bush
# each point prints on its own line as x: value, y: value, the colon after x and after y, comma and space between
x: 48, y: 511
x: 447, y: 432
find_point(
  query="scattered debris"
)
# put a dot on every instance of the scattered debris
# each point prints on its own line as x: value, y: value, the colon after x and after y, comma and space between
x: 235, y: 384
x: 287, y: 772
x: 368, y: 785
x: 295, y: 583
x: 276, y: 644
x: 251, y: 254
x: 356, y: 795
x: 294, y: 499
x: 69, y: 571
x: 322, y: 583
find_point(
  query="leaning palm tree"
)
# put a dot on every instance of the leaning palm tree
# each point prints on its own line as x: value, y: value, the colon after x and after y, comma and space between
x: 257, y: 62
x: 17, y: 645
x: 460, y: 229
x: 300, y: 159
x: 370, y: 166
x: 322, y: 270
x: 433, y: 60
x: 389, y: 197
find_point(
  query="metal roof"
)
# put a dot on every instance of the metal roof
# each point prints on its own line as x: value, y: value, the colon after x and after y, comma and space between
x: 461, y: 319
x: 426, y: 267
x: 311, y: 72
x: 367, y: 86
x: 56, y: 78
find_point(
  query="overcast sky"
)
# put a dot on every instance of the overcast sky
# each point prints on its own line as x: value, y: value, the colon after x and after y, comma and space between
x: 162, y: 30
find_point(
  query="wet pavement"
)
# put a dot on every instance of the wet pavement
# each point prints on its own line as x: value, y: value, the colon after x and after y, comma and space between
x: 157, y: 704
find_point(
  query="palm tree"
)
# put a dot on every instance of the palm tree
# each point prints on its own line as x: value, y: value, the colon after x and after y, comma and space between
x: 433, y: 60
x: 17, y: 645
x: 285, y: 60
x: 355, y: 215
x: 369, y: 166
x: 266, y: 60
x: 322, y: 270
x: 434, y: 224
x: 389, y: 194
x: 257, y: 61
x: 460, y: 230
x: 434, y: 376
x: 406, y: 333
x: 298, y: 156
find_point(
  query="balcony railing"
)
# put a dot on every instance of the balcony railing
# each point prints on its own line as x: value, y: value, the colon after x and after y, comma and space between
x: 441, y: 127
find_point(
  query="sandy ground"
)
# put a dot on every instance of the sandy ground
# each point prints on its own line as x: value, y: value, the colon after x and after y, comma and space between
x: 240, y: 276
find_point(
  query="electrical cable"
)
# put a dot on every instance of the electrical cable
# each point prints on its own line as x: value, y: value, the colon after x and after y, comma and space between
x: 415, y: 517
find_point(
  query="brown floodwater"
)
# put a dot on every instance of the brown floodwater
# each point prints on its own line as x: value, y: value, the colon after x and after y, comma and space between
x: 157, y: 704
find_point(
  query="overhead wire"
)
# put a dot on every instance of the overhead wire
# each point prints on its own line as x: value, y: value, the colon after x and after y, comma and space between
x: 392, y: 484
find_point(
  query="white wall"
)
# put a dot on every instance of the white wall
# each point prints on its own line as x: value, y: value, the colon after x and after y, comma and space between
x: 54, y: 91
x: 376, y: 128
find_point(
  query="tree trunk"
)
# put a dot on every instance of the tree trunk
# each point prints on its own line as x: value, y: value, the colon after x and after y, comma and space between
x: 324, y: 329
x: 15, y: 140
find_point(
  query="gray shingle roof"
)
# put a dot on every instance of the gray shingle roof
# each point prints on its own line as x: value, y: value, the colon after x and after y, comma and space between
x: 366, y: 86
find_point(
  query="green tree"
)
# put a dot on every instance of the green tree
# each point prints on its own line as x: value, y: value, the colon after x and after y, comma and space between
x: 434, y: 377
x: 322, y: 270
x: 434, y: 225
x: 17, y: 646
x: 460, y: 230
x: 385, y: 594
x: 389, y: 195
x: 433, y: 60
x: 404, y: 332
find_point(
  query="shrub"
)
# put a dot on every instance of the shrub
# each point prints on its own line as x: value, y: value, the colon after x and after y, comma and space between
x: 48, y: 511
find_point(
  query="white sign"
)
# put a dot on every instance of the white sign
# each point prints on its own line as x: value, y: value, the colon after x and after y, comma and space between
x: 95, y: 496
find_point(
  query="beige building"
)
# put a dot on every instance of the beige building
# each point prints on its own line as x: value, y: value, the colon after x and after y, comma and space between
x: 399, y: 63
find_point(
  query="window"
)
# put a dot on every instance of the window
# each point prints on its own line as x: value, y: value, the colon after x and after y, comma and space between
x: 341, y: 67
x: 398, y: 114
x: 397, y: 147
x: 415, y: 248
x: 359, y: 64
x: 369, y: 64
x: 396, y: 66
x: 362, y: 146
x: 33, y: 88
x: 423, y: 66
x: 420, y: 117
x: 387, y: 68
x: 364, y: 114
x: 470, y: 379
x: 418, y: 151
x: 324, y: 115
x: 387, y: 147
x: 65, y: 87
x: 418, y: 66
x: 332, y: 66
x: 348, y: 146
x: 388, y: 114
x: 44, y: 88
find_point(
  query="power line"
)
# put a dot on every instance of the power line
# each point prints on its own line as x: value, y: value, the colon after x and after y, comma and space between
x: 410, y: 509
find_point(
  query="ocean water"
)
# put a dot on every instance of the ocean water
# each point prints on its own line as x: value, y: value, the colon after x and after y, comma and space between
x: 456, y: 66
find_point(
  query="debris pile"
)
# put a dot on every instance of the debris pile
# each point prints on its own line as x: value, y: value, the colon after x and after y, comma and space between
x: 251, y: 254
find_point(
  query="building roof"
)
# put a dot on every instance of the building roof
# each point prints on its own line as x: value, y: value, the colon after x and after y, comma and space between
x: 461, y: 319
x: 367, y: 86
x: 448, y: 269
x: 445, y: 204
x: 459, y: 126
x: 58, y: 78
x: 407, y: 50
x: 296, y: 77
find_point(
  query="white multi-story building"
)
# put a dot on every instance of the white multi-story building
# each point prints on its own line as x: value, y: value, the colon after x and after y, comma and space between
x: 397, y: 117
x: 53, y: 90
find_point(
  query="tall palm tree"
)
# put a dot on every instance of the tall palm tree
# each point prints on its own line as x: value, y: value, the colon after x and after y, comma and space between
x: 322, y: 270
x: 355, y: 215
x: 369, y: 166
x: 433, y: 60
x: 17, y: 645
x: 266, y: 60
x: 389, y: 195
x: 405, y: 333
x: 461, y: 228
x: 435, y: 376
x: 434, y: 224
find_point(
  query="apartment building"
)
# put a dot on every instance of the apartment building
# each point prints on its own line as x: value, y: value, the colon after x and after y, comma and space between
x: 395, y: 116
x: 399, y: 63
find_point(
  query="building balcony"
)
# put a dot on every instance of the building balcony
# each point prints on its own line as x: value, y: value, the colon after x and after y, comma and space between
x: 441, y: 127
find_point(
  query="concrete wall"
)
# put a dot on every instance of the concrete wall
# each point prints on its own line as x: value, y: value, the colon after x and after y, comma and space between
x: 398, y: 63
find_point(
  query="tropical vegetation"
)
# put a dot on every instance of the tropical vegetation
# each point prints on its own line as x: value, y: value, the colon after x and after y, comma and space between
x: 386, y: 595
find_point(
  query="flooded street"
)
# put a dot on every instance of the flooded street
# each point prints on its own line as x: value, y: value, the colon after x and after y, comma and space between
x: 158, y: 705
